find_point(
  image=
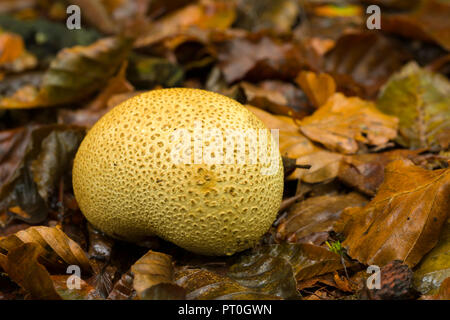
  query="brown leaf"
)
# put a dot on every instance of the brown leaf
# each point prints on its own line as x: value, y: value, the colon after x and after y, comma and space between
x: 316, y: 215
x: 361, y: 62
x: 264, y: 58
x: 404, y: 219
x: 24, y: 269
x: 59, y: 250
x: 85, y: 292
x: 429, y: 22
x: 201, y: 284
x: 444, y: 291
x: 74, y: 74
x: 205, y: 14
x: 365, y: 172
x: 123, y: 289
x: 318, y: 87
x: 343, y: 122
x: 154, y: 278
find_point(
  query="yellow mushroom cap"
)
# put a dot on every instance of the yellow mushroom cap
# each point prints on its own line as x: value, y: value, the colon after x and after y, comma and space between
x: 128, y: 185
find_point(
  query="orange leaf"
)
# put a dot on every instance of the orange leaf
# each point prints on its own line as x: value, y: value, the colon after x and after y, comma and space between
x: 318, y: 87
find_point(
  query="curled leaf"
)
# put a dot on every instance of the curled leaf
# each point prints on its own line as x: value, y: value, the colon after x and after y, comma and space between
x: 58, y: 250
x: 24, y: 269
x: 154, y: 278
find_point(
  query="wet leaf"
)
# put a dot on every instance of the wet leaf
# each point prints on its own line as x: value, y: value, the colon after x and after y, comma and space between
x: 308, y: 219
x: 428, y: 21
x: 154, y: 278
x: 403, y: 221
x: 57, y: 249
x: 201, y: 284
x: 74, y: 74
x: 306, y: 260
x: 24, y: 269
x: 343, y: 122
x: 435, y: 266
x: 420, y: 99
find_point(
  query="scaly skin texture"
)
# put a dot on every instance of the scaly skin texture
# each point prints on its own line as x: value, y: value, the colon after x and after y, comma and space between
x: 128, y: 186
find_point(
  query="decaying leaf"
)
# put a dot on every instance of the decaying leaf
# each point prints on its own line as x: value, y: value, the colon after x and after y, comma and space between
x: 343, y: 122
x: 34, y: 160
x: 421, y: 100
x: 74, y: 74
x: 154, y: 278
x: 84, y: 292
x: 403, y: 221
x: 23, y: 267
x: 58, y: 250
x: 309, y: 219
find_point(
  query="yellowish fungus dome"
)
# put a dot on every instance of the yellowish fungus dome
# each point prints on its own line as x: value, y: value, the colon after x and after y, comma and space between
x: 130, y: 184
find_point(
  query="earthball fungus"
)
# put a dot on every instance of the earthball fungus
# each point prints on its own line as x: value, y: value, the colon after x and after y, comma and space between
x: 193, y: 167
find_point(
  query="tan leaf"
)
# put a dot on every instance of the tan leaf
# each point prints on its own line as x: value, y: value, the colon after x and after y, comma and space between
x: 343, y: 122
x: 403, y: 221
x: 59, y: 249
x: 154, y: 278
x: 318, y: 87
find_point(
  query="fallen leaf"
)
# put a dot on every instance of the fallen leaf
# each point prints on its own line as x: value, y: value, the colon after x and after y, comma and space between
x: 257, y: 15
x: 24, y: 269
x: 306, y: 260
x: 365, y: 172
x: 435, y: 266
x: 444, y: 291
x: 318, y: 87
x: 265, y: 58
x: 58, y: 250
x: 428, y: 21
x: 201, y: 284
x: 205, y: 14
x: 154, y: 278
x: 123, y: 288
x: 343, y: 122
x: 403, y: 221
x: 37, y: 157
x: 361, y: 62
x: 84, y: 292
x: 420, y: 99
x: 74, y: 74
x: 11, y: 47
x: 315, y: 215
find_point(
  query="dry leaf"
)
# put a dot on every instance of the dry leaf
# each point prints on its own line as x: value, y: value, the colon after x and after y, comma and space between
x: 318, y: 87
x: 403, y: 221
x: 343, y: 122
x: 59, y: 249
x: 24, y: 269
x: 154, y: 278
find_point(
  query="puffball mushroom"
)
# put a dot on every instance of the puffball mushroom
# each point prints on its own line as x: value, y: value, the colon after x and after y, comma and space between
x: 169, y: 163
